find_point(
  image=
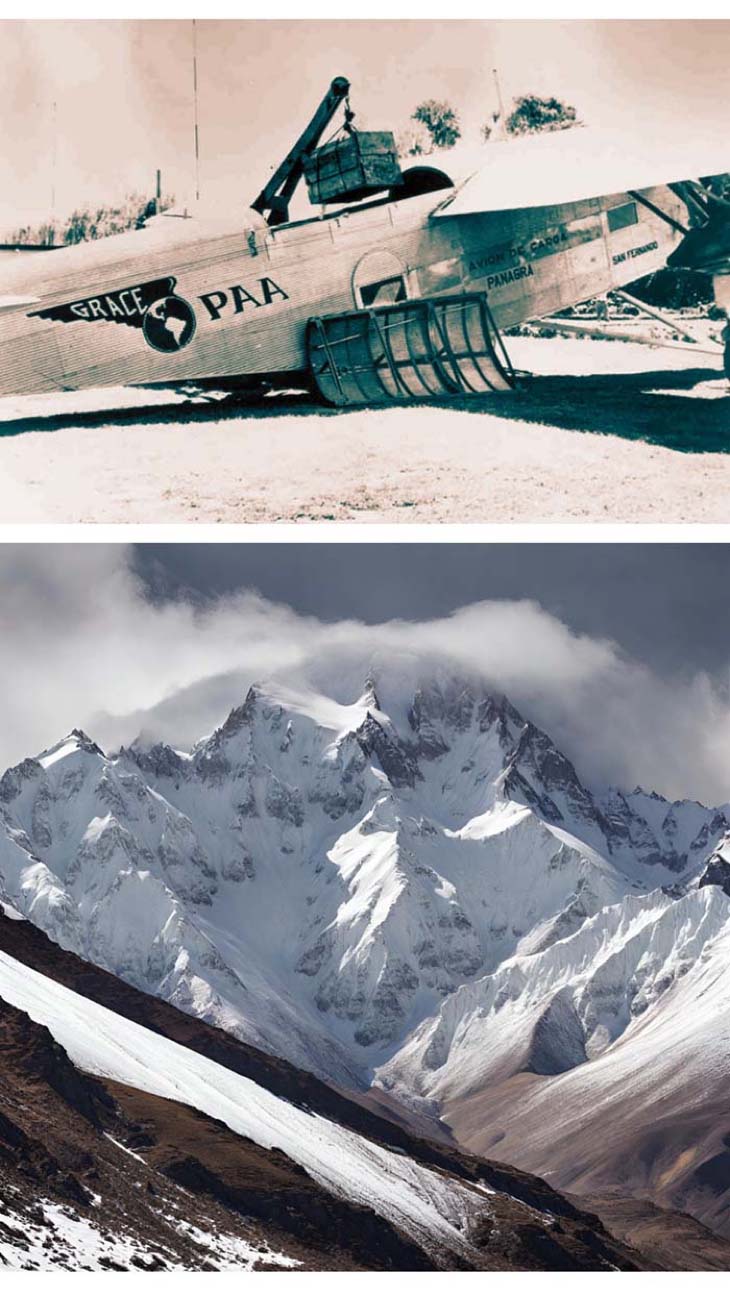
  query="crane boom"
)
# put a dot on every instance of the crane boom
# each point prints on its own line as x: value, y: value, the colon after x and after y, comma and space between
x: 273, y: 201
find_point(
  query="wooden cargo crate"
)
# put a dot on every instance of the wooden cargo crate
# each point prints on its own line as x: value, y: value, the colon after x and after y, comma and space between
x: 362, y: 163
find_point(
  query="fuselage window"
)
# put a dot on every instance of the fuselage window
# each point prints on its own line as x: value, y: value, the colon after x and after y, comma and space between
x: 620, y: 217
x: 384, y: 293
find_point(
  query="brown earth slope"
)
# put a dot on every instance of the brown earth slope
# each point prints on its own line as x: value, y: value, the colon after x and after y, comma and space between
x: 665, y: 1143
x: 173, y: 1186
x: 53, y: 1137
x: 667, y: 1239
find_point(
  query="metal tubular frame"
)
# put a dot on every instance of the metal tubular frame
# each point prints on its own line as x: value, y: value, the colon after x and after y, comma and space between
x: 374, y: 356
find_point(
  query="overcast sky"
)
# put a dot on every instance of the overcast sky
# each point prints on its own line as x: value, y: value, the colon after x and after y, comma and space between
x: 112, y: 100
x: 665, y: 604
x: 619, y: 652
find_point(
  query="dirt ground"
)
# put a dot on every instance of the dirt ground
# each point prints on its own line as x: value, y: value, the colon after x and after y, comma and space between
x: 600, y: 431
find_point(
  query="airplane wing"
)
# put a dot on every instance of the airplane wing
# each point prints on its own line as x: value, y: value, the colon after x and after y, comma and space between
x: 570, y: 165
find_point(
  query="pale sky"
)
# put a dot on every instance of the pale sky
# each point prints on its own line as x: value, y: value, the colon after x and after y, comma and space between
x: 124, y: 103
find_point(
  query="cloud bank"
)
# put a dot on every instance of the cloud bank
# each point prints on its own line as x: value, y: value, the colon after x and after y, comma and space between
x: 82, y: 645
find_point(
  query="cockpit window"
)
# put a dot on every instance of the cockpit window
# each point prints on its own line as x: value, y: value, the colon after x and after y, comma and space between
x: 620, y: 217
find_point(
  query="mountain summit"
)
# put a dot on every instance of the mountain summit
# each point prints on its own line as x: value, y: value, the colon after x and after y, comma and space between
x: 426, y: 898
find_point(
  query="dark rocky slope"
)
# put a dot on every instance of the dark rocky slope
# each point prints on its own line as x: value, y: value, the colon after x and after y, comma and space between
x: 54, y: 1146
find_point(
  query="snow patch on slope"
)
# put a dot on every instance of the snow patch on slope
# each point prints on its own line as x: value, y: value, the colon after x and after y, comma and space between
x: 425, y: 1204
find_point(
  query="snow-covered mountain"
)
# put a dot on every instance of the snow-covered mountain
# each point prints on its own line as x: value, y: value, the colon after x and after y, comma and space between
x: 131, y: 1136
x: 647, y: 1112
x: 412, y: 889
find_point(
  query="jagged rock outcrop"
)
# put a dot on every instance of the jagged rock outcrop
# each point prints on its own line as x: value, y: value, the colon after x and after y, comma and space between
x: 322, y: 879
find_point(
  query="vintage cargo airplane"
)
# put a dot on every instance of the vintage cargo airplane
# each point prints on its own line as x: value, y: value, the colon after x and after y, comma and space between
x: 401, y: 296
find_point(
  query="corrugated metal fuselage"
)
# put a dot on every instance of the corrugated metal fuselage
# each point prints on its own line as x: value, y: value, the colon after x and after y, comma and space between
x: 237, y: 304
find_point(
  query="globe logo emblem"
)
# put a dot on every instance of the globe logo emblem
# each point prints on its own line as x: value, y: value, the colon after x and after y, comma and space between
x: 169, y: 324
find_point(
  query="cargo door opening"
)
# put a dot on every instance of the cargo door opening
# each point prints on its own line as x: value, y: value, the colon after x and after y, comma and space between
x: 379, y: 279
